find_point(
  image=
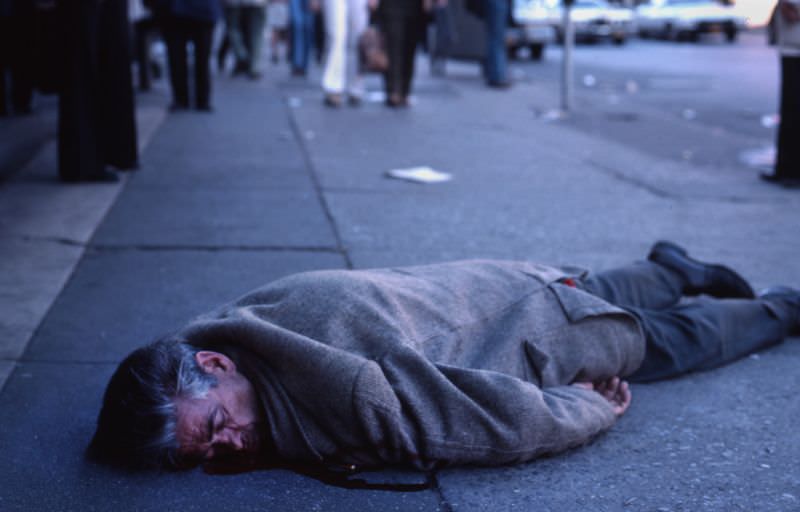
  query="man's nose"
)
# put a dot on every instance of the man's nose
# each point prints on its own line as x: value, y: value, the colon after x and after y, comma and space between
x: 231, y: 439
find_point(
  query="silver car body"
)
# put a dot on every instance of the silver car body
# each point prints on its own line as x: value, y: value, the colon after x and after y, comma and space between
x: 676, y: 18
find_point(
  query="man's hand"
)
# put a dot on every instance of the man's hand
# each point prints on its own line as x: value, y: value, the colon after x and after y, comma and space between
x: 615, y: 390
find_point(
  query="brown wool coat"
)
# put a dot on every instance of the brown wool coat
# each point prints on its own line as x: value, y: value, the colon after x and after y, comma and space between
x: 457, y: 363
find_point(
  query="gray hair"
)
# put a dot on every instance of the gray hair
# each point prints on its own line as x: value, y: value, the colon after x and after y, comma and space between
x: 137, y: 422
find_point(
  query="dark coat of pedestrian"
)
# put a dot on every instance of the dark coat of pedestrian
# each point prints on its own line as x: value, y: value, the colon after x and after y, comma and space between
x: 183, y: 22
x: 96, y: 125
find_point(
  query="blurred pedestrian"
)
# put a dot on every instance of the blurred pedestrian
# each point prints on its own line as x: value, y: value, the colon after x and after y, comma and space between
x: 183, y: 22
x: 301, y: 14
x: 787, y: 165
x: 402, y: 23
x: 278, y: 26
x: 145, y: 30
x: 345, y: 21
x: 96, y: 126
x: 244, y: 25
x: 17, y: 29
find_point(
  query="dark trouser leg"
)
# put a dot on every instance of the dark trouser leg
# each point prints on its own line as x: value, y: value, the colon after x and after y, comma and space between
x: 80, y: 155
x: 202, y: 33
x: 788, y: 159
x: 393, y: 29
x: 176, y: 40
x: 707, y: 333
x: 233, y: 29
x: 412, y: 30
x: 643, y: 285
x: 496, y: 58
x: 115, y: 101
x: 256, y: 17
x: 302, y: 21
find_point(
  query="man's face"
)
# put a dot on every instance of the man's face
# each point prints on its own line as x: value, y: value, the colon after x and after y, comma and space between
x: 225, y: 425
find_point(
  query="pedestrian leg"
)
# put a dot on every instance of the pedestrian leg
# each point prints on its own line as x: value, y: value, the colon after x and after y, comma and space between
x: 176, y: 39
x: 203, y: 33
x: 787, y: 165
x: 256, y: 19
x: 333, y: 76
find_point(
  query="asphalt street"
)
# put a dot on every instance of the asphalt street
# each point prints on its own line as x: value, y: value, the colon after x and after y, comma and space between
x: 274, y: 183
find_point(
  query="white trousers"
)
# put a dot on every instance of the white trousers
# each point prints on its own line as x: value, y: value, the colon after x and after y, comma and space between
x: 345, y: 21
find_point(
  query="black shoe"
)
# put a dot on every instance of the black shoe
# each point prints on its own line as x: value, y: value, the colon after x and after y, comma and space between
x: 241, y: 68
x: 715, y: 280
x: 789, y: 296
x: 205, y: 107
x: 778, y: 180
x: 499, y: 84
x: 105, y: 176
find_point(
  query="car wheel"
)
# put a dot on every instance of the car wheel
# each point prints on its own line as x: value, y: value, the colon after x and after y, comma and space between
x: 619, y: 40
x: 668, y: 32
x: 537, y: 51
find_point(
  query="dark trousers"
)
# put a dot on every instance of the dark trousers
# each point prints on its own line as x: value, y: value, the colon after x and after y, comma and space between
x: 496, y: 66
x: 402, y: 34
x: 302, y: 33
x: 178, y: 33
x: 787, y: 164
x: 16, y: 62
x: 96, y: 125
x: 699, y: 334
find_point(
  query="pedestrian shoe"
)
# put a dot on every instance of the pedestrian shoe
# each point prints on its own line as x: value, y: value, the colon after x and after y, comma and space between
x: 332, y: 100
x: 353, y: 100
x: 499, y: 84
x: 104, y: 176
x: 788, y: 295
x: 715, y: 280
x: 779, y: 180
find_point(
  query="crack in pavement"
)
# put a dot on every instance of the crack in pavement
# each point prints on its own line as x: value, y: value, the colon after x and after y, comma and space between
x: 211, y: 248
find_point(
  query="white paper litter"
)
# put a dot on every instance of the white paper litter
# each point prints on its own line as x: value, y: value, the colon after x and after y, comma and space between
x: 295, y: 102
x: 589, y: 80
x: 422, y: 174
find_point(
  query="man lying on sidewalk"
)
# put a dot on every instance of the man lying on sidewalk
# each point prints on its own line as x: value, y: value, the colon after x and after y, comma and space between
x: 474, y: 362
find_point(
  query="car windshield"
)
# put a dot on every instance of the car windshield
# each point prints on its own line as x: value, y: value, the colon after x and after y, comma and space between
x: 588, y: 3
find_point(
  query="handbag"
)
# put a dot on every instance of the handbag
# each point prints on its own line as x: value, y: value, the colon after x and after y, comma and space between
x: 372, y: 51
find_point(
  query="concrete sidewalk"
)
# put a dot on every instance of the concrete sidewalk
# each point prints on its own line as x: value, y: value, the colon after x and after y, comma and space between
x: 274, y: 183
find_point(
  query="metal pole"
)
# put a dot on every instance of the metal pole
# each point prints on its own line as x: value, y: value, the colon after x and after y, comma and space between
x: 567, y: 80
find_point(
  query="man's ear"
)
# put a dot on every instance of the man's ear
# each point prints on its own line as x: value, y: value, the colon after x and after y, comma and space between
x: 214, y: 362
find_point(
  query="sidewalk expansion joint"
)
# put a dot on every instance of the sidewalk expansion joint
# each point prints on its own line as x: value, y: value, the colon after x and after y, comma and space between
x: 301, y: 142
x: 212, y: 248
x: 50, y: 239
x: 436, y: 487
x: 640, y: 184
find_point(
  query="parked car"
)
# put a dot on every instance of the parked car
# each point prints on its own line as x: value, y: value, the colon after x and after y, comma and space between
x: 596, y: 20
x: 529, y: 27
x: 687, y: 19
